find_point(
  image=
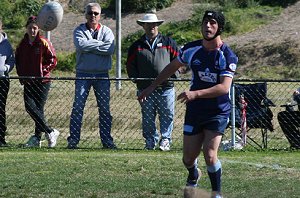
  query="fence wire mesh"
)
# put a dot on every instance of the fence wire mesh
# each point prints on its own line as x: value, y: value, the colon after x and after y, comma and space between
x: 126, y: 112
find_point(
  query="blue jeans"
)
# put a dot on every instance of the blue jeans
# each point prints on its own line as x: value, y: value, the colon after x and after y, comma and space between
x: 102, y: 93
x: 161, y: 101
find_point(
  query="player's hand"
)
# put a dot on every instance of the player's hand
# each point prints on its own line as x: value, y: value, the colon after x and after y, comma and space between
x: 187, y: 96
x: 145, y: 93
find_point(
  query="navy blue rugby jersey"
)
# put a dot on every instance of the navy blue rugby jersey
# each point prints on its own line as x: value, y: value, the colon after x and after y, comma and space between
x: 207, y: 67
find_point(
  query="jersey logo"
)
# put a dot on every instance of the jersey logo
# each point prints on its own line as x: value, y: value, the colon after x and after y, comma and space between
x: 232, y: 67
x: 196, y: 62
x: 207, y: 76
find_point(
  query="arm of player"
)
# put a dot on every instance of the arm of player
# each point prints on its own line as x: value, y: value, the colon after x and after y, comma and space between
x: 170, y: 69
x: 212, y: 92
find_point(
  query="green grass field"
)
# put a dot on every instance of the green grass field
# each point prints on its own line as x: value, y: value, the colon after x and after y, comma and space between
x: 137, y: 173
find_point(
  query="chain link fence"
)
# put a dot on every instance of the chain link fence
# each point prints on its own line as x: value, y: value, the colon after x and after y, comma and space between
x: 126, y: 112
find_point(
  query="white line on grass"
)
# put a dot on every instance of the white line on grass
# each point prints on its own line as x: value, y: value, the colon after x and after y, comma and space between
x: 170, y: 155
x: 259, y: 165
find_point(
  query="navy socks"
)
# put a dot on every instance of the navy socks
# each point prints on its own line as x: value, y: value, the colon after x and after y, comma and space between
x: 214, y: 173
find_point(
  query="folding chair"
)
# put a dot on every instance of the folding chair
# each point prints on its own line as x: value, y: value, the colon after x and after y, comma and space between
x: 258, y: 113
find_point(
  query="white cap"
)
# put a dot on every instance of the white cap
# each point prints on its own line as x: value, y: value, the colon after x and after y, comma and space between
x: 149, y: 18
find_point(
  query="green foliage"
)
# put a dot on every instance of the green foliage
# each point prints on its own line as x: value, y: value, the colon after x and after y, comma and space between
x: 142, y: 5
x: 249, y: 3
x: 174, y: 30
x: 199, y: 11
x: 281, y: 3
x: 239, y: 21
x: 14, y: 13
x: 126, y: 42
x: 14, y: 36
x: 272, y: 72
x: 66, y: 61
x: 28, y: 7
x: 290, y: 72
x: 239, y: 3
x: 233, y: 3
x: 6, y: 12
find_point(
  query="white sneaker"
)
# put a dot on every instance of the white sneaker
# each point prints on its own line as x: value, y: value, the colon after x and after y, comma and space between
x: 216, y: 195
x: 33, y: 142
x: 164, y: 145
x: 52, y: 137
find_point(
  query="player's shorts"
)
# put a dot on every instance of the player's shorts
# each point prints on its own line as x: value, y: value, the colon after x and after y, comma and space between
x: 195, y: 124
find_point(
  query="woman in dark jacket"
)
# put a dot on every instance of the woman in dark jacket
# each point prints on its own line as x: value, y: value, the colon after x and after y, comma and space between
x: 36, y: 57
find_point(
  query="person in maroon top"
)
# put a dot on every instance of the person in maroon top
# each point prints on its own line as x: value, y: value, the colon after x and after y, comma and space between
x: 36, y: 57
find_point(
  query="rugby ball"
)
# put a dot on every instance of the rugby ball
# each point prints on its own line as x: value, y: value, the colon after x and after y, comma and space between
x: 50, y: 16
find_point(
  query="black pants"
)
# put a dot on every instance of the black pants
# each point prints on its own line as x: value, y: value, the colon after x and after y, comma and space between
x: 35, y: 97
x: 289, y: 122
x: 4, y: 87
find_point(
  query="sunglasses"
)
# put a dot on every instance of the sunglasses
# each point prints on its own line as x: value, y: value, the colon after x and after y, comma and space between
x: 93, y: 13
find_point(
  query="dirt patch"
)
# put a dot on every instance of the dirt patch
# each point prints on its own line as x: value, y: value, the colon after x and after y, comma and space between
x: 276, y: 44
x: 62, y: 36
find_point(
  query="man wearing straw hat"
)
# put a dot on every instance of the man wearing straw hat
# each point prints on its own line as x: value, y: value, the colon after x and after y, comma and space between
x: 147, y: 57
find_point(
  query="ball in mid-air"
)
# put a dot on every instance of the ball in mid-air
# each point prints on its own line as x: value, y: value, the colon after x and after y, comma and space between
x: 50, y: 16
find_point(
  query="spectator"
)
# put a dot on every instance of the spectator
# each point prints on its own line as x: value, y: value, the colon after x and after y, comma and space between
x: 213, y: 65
x: 7, y: 62
x: 94, y: 44
x: 147, y: 57
x: 289, y: 121
x: 296, y: 97
x: 36, y: 57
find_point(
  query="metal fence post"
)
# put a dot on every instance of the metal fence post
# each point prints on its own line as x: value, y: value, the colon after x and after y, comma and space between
x: 118, y: 44
x: 232, y: 96
x: 47, y: 33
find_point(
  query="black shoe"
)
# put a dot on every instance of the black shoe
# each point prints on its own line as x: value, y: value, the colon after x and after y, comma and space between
x: 3, y: 143
x: 111, y: 146
x: 72, y: 146
x: 192, y: 180
x: 149, y: 148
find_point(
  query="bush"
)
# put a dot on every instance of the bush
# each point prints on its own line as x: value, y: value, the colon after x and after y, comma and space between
x: 66, y: 61
x: 141, y: 5
x: 278, y: 2
x: 14, y: 13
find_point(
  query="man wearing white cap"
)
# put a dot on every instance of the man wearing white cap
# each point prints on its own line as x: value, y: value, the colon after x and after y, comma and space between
x: 147, y: 57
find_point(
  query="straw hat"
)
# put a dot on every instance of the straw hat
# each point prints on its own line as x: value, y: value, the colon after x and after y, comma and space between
x: 149, y: 18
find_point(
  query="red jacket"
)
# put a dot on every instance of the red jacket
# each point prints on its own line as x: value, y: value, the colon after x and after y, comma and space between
x: 37, y: 59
